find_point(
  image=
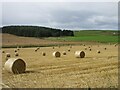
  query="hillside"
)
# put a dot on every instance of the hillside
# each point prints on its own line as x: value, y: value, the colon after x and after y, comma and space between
x: 81, y: 37
x: 103, y: 36
x: 13, y: 40
x: 36, y: 31
x: 97, y: 33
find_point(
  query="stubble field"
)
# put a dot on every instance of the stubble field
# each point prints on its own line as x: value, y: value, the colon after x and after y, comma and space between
x: 96, y: 70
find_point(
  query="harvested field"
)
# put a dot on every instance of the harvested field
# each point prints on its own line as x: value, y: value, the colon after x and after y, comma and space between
x: 93, y: 71
x: 12, y: 40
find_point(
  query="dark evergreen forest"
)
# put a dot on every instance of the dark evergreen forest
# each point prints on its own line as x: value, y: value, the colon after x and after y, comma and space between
x: 36, y: 31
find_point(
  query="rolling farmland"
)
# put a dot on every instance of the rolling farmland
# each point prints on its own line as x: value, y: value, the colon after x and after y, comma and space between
x: 98, y: 69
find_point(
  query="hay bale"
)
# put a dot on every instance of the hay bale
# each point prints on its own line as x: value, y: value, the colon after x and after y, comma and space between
x: 37, y: 49
x: 56, y: 54
x: 90, y: 49
x: 70, y: 46
x: 68, y: 50
x: 109, y: 43
x: 15, y: 65
x: 83, y: 44
x: 98, y: 51
x: 16, y: 54
x: 85, y: 48
x: 64, y: 53
x: 53, y: 47
x: 43, y: 53
x: 15, y: 50
x: 79, y: 54
x: 59, y: 46
x: 105, y: 48
x: 3, y: 51
x: 18, y: 48
x: 7, y: 54
x: 115, y: 45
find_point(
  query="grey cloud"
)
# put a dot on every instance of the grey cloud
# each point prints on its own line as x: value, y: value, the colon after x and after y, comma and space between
x: 62, y: 15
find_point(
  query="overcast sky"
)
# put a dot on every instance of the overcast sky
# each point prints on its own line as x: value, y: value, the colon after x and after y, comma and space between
x: 63, y: 15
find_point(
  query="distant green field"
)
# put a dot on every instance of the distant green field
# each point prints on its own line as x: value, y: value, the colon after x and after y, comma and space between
x: 94, y: 35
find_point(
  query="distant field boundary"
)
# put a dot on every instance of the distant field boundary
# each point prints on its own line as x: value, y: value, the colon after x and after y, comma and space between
x: 28, y: 46
x: 49, y: 45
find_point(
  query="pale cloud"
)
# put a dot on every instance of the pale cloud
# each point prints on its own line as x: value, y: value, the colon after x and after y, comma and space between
x: 60, y: 0
x: 64, y: 15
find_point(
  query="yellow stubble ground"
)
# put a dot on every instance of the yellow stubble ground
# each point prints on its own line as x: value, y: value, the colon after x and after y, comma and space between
x: 93, y: 71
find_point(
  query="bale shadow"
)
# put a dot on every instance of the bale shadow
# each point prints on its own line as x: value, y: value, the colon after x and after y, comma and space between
x: 31, y: 71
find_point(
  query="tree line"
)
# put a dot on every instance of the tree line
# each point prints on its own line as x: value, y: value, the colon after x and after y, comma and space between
x: 36, y: 31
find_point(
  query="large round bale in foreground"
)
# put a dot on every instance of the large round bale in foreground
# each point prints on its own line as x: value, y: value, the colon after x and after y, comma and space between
x: 79, y: 54
x: 15, y: 65
x: 56, y: 54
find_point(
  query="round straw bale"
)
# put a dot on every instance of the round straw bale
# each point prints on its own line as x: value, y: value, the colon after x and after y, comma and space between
x: 85, y: 48
x: 64, y: 53
x: 105, y: 48
x: 83, y: 44
x: 68, y: 50
x: 115, y: 45
x: 3, y: 51
x: 7, y: 54
x: 70, y: 46
x: 79, y: 54
x: 43, y: 53
x: 98, y: 51
x: 15, y: 65
x: 18, y: 49
x: 37, y: 49
x: 90, y: 49
x: 59, y: 46
x: 53, y: 47
x: 15, y: 50
x: 16, y: 54
x: 56, y: 54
